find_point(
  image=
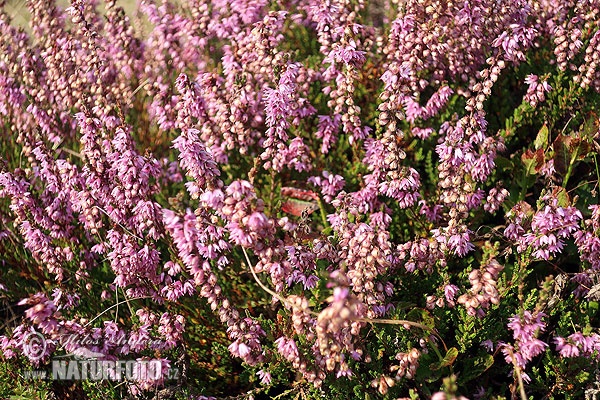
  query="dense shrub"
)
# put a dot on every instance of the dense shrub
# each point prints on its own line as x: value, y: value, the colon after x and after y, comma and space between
x: 304, y: 198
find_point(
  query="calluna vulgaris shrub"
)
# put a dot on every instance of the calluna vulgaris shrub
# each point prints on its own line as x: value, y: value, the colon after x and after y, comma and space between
x: 304, y: 198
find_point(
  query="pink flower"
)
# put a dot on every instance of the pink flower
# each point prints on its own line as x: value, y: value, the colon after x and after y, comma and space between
x: 488, y: 345
x: 450, y: 292
x: 565, y: 348
x: 287, y: 348
x: 525, y: 330
x: 265, y: 377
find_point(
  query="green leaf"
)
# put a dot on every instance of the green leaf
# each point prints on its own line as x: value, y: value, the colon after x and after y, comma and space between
x: 562, y: 196
x: 404, y: 305
x: 422, y: 316
x: 473, y: 367
x: 541, y: 140
x: 450, y: 357
x: 590, y: 127
x: 435, y: 374
x: 583, y: 377
x: 503, y: 163
x: 592, y: 308
x: 414, y: 395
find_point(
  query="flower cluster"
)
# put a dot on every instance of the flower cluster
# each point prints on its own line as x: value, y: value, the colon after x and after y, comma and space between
x: 536, y: 91
x: 526, y: 329
x: 336, y: 329
x: 483, y: 292
x: 578, y: 345
x: 547, y: 230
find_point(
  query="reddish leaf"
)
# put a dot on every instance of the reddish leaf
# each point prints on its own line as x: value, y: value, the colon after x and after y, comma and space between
x: 533, y: 160
x: 300, y: 194
x: 298, y: 207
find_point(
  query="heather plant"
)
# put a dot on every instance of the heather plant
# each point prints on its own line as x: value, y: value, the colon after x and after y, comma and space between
x: 303, y: 199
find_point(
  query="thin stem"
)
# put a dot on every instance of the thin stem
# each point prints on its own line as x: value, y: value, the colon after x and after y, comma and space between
x: 369, y: 320
x: 322, y: 212
x: 570, y: 169
x: 113, y: 306
x: 124, y: 228
x: 597, y: 171
x: 519, y: 377
x: 128, y: 304
x: 71, y: 152
x: 263, y: 286
x: 117, y: 311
